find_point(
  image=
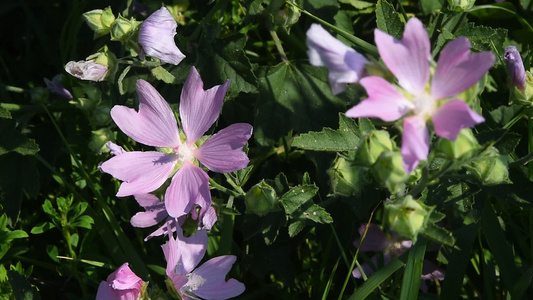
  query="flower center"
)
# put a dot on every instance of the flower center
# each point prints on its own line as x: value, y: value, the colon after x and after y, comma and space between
x: 424, y: 105
x: 195, y: 282
x: 185, y: 152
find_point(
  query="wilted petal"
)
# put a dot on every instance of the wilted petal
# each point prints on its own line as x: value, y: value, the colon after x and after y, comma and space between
x: 515, y: 67
x: 408, y: 59
x: 209, y: 280
x: 375, y: 240
x: 415, y: 142
x: 383, y: 101
x: 457, y: 70
x: 453, y: 116
x: 142, y: 172
x: 183, y: 254
x: 156, y: 36
x: 154, y: 124
x: 56, y: 86
x: 222, y: 152
x: 198, y: 108
x: 344, y: 64
x: 189, y: 188
x: 86, y: 70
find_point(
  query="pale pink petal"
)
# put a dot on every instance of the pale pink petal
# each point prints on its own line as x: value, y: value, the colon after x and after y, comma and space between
x: 167, y: 227
x: 152, y: 216
x: 344, y: 64
x: 366, y: 268
x: 453, y: 116
x: 457, y: 70
x: 156, y: 36
x: 142, y: 172
x: 114, y: 149
x: 86, y: 70
x: 105, y: 292
x: 124, y: 279
x: 209, y: 218
x: 222, y: 152
x: 147, y: 200
x: 209, y: 280
x: 154, y: 124
x: 408, y: 59
x: 189, y: 188
x: 198, y: 108
x: 383, y: 101
x: 415, y: 142
x: 184, y: 253
x: 430, y: 272
x: 375, y: 240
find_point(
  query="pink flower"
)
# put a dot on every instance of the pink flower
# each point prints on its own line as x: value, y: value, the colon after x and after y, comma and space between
x: 156, y: 37
x: 155, y: 125
x: 345, y: 65
x: 122, y: 284
x: 184, y: 253
x: 56, y: 86
x: 409, y: 60
x: 515, y: 67
x: 208, y: 281
x: 86, y: 70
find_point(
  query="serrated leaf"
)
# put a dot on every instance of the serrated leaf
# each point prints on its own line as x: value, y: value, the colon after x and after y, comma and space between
x: 11, y: 140
x: 296, y: 227
x: 388, y: 20
x: 225, y: 59
x: 483, y: 38
x: 298, y: 204
x: 297, y: 196
x: 346, y: 138
x: 438, y: 234
x: 163, y: 75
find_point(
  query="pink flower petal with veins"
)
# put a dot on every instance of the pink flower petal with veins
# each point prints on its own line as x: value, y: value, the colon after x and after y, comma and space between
x: 154, y: 124
x: 408, y: 59
x: 183, y: 254
x: 142, y: 172
x: 383, y: 101
x: 415, y: 142
x: 222, y: 152
x: 189, y: 188
x: 199, y: 109
x: 457, y: 70
x: 344, y: 64
x: 453, y: 116
x: 211, y: 279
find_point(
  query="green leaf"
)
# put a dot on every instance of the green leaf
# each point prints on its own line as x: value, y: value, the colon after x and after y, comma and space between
x: 413, y: 271
x: 4, y: 113
x: 483, y: 38
x: 42, y: 227
x: 377, y: 278
x: 346, y: 138
x: 163, y: 75
x: 388, y: 20
x: 358, y: 3
x: 438, y: 234
x: 299, y: 98
x: 83, y: 221
x: 297, y: 196
x: 224, y: 59
x: 11, y: 140
x: 22, y: 289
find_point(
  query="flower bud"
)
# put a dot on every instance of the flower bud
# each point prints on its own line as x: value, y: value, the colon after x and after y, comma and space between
x: 389, y: 171
x: 86, y: 70
x: 121, y: 284
x: 260, y: 199
x: 515, y: 67
x: 461, y: 5
x: 407, y: 216
x: 99, y: 140
x: 491, y: 169
x: 346, y: 178
x: 463, y: 147
x: 99, y: 21
x: 55, y: 86
x: 123, y: 29
x: 372, y: 147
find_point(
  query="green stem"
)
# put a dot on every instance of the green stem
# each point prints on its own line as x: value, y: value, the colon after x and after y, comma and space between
x: 14, y: 89
x: 515, y: 119
x: 234, y: 185
x: 277, y: 42
x: 355, y: 40
x: 223, y: 189
x: 142, y: 64
x: 530, y: 146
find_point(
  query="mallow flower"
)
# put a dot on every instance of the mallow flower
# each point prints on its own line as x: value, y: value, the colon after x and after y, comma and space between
x: 122, y: 284
x: 344, y: 64
x: 155, y: 125
x: 515, y: 67
x: 56, y: 86
x: 156, y: 37
x: 208, y: 281
x: 86, y: 70
x: 409, y: 59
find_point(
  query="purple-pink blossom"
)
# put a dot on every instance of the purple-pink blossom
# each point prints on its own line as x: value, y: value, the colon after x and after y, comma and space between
x: 155, y: 125
x: 86, y: 70
x: 409, y: 59
x: 515, y: 67
x: 156, y: 37
x: 208, y: 281
x: 56, y: 86
x: 344, y: 64
x: 122, y: 284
